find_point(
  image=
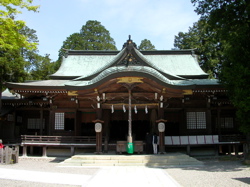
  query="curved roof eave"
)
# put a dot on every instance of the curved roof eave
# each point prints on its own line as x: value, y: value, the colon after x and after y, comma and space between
x: 119, y: 71
x: 45, y: 84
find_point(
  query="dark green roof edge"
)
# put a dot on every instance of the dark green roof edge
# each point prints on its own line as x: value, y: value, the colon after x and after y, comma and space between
x: 153, y: 52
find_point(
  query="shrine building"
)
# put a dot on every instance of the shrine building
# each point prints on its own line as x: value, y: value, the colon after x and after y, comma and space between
x: 108, y: 98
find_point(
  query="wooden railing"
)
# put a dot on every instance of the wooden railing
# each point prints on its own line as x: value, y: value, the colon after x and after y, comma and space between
x: 57, y: 139
x: 232, y: 138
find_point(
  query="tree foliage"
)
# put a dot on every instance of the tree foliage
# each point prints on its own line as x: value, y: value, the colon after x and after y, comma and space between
x: 206, y: 44
x: 230, y: 20
x: 13, y: 41
x: 92, y: 36
x: 146, y: 45
x: 41, y: 67
x: 10, y: 37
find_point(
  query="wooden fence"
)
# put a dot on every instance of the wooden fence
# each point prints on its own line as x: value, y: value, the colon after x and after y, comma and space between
x: 57, y: 141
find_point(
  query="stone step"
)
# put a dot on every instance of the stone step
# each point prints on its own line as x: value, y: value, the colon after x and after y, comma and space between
x: 132, y: 160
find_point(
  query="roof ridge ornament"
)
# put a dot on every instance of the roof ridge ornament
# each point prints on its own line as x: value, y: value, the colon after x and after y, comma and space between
x: 129, y: 59
x: 129, y: 44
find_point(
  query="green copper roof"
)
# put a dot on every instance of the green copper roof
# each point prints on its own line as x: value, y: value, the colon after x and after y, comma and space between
x: 85, y: 65
x: 86, y: 69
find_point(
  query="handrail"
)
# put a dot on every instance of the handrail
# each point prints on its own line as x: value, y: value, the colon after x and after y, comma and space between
x: 58, y: 139
x: 232, y: 137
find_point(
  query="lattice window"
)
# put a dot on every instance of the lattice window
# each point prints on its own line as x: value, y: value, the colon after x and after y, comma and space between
x: 191, y: 120
x: 59, y: 121
x: 226, y: 122
x: 196, y: 120
x: 34, y: 123
x: 229, y: 123
x: 10, y: 117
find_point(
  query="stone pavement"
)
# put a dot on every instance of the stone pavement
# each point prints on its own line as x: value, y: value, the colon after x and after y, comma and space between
x: 124, y: 176
x: 43, y: 177
x: 107, y: 176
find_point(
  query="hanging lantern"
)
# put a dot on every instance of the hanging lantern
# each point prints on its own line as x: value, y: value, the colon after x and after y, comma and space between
x: 98, y: 127
x: 161, y: 127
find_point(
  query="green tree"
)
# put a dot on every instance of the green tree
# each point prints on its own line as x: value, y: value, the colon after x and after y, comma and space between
x: 146, y: 45
x: 19, y: 61
x: 230, y: 19
x: 41, y: 67
x: 92, y: 36
x: 12, y: 40
x: 10, y: 37
x: 97, y: 37
x: 74, y: 42
x: 37, y: 67
x: 207, y: 45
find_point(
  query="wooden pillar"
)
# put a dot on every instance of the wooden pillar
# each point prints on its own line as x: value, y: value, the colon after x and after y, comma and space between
x: 217, y: 147
x: 41, y: 121
x: 219, y: 128
x: 220, y: 149
x: 72, y: 150
x: 98, y: 129
x: 236, y: 149
x: 98, y: 125
x: 229, y: 149
x: 24, y: 151
x: 31, y: 150
x: 218, y: 122
x: 188, y: 149
x: 106, y: 130
x: 99, y: 142
x: 183, y: 126
x: 44, y: 151
x: 130, y: 139
x: 14, y: 123
x: 161, y: 142
x: 75, y: 122
x: 161, y: 129
x: 208, y: 117
x: 51, y: 121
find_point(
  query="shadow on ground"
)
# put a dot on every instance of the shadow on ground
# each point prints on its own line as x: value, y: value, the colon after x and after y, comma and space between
x: 245, y: 179
x: 58, y: 159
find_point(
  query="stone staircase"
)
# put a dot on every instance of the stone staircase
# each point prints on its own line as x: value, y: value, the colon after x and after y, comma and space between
x: 163, y: 160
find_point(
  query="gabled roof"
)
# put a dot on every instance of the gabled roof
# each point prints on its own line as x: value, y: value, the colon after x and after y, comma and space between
x: 174, y: 64
x: 87, y: 69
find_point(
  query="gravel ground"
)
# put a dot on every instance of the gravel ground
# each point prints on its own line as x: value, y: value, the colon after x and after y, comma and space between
x: 215, y: 172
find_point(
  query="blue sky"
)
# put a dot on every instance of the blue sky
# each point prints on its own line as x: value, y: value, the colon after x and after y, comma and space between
x: 156, y: 20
